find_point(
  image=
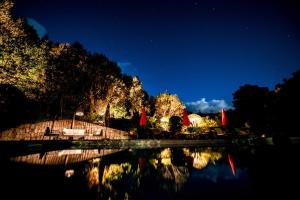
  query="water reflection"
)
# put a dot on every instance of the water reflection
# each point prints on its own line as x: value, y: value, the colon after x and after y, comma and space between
x: 145, y: 173
x: 63, y: 157
x: 137, y: 174
x: 170, y: 173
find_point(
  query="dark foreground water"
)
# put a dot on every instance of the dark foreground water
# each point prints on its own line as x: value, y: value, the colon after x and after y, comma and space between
x: 169, y: 173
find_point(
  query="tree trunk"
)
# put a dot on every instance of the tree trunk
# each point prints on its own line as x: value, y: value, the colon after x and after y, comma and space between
x: 107, y: 115
x: 61, y: 104
x: 92, y: 102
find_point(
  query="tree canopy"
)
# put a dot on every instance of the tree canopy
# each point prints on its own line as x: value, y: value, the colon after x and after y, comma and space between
x: 63, y: 77
x: 23, y: 56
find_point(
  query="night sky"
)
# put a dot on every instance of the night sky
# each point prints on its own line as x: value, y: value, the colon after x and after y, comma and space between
x: 195, y: 49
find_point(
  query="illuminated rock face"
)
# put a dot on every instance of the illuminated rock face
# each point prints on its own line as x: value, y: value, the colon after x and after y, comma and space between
x: 168, y: 105
x: 202, y: 123
x: 196, y: 120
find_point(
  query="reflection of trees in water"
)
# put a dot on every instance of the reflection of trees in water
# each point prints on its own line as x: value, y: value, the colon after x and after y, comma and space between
x: 163, y: 173
x: 172, y: 170
x: 202, y: 158
x: 92, y: 173
x: 172, y: 177
x: 119, y: 181
x: 93, y: 177
x: 116, y: 172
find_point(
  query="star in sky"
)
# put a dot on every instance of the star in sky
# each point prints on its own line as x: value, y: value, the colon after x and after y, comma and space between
x: 191, y: 47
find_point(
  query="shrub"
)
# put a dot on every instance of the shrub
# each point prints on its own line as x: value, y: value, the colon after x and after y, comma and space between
x: 175, y: 124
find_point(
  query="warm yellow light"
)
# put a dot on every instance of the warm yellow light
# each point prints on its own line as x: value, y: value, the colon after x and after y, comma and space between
x: 166, y: 153
x: 153, y: 162
x: 166, y: 161
x: 201, y: 159
x: 93, y: 177
x: 186, y: 152
x: 79, y: 113
x: 96, y: 160
x: 196, y: 120
x: 164, y: 123
x: 165, y: 156
x: 115, y: 172
x: 69, y: 173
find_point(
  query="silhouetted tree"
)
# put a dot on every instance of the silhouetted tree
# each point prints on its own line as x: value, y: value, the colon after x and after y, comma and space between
x: 151, y: 102
x: 66, y: 80
x: 175, y: 124
x: 12, y: 106
x: 285, y: 110
x: 251, y: 104
x: 107, y: 115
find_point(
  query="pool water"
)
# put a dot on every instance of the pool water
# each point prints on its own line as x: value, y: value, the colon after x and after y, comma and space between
x: 168, y: 173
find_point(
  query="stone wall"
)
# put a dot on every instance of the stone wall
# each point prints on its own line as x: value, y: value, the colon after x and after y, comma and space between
x: 36, y: 131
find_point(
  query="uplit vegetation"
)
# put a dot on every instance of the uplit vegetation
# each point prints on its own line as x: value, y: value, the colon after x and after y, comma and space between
x: 41, y: 80
x: 23, y: 56
x: 168, y: 105
x: 58, y: 79
x: 201, y: 124
x: 167, y: 169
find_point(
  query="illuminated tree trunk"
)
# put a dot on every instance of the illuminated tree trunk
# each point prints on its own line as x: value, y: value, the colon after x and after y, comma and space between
x: 61, y: 104
x: 107, y: 115
x: 92, y: 103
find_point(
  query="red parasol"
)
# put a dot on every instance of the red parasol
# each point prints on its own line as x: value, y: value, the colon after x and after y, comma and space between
x: 143, y: 120
x: 231, y: 164
x: 186, y: 120
x: 224, y: 118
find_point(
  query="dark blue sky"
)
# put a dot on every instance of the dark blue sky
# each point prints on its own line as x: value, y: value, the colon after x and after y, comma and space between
x: 196, y: 49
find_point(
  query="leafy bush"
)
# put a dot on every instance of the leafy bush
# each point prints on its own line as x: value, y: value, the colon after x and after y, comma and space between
x: 12, y: 106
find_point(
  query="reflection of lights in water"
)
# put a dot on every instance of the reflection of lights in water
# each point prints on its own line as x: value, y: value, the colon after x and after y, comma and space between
x: 165, y: 156
x: 93, y: 172
x: 115, y: 172
x: 201, y: 159
x: 153, y: 162
x: 166, y: 161
x: 93, y: 177
x: 166, y: 153
x: 96, y: 160
x: 69, y: 173
x: 69, y: 152
x: 186, y: 152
